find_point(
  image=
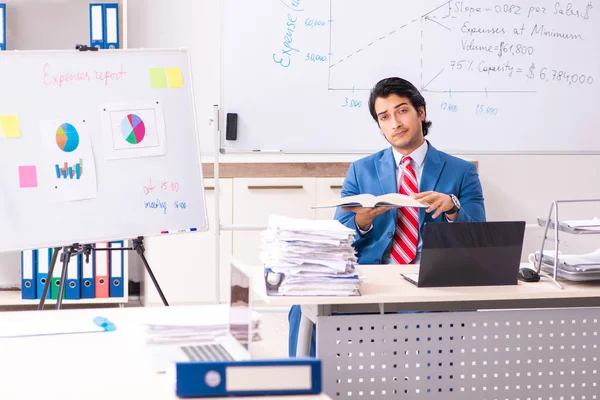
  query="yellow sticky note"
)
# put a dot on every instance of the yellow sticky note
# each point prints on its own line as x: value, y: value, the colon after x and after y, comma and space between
x: 10, y: 126
x: 158, y: 78
x: 174, y: 77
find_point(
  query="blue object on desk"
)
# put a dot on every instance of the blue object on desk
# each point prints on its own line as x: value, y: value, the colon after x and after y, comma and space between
x: 105, y: 324
x: 249, y: 378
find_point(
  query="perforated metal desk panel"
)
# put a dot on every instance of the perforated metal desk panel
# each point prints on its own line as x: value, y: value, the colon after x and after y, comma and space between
x: 529, y: 341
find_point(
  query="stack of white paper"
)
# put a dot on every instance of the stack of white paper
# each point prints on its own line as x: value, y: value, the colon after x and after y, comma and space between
x: 579, y: 262
x: 309, y: 257
x: 182, y: 330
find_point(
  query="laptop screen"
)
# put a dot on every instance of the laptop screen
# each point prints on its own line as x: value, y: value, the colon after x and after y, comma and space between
x: 240, y: 313
x: 471, y: 253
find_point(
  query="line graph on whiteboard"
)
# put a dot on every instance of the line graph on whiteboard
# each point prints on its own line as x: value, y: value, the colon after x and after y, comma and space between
x: 459, y: 46
x: 298, y: 73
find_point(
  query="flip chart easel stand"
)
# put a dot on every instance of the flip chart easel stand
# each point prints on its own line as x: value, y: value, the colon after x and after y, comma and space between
x: 85, y: 250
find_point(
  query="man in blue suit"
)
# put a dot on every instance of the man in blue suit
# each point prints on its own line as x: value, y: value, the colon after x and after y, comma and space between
x: 448, y: 185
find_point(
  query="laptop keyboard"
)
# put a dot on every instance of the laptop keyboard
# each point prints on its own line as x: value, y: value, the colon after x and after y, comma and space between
x: 207, y: 352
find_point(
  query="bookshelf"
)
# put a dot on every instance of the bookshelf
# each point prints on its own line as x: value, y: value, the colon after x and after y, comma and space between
x: 13, y: 298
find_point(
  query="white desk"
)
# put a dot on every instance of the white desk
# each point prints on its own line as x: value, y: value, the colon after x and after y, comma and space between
x: 102, y: 366
x: 385, y: 285
x: 531, y: 340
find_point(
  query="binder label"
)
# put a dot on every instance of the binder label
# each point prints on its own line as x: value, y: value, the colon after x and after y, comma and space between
x: 97, y: 34
x: 111, y: 25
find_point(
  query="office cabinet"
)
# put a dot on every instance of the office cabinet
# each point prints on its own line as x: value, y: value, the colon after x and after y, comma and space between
x: 254, y: 199
x: 327, y: 189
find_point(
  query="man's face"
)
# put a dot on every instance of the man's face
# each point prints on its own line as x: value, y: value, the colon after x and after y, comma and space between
x: 400, y: 122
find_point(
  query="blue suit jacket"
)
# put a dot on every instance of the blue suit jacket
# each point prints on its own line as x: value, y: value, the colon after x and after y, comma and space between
x: 376, y: 174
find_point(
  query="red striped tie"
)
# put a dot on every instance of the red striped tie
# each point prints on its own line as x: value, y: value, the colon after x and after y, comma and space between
x: 404, y: 245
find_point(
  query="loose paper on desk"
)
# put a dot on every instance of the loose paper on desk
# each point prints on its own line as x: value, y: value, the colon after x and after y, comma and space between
x: 183, y: 328
x: 368, y: 200
x: 581, y: 262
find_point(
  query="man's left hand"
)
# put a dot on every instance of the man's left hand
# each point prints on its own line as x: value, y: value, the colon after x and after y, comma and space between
x: 438, y: 202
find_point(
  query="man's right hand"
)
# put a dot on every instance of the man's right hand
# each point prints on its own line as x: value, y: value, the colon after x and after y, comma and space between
x: 365, y: 215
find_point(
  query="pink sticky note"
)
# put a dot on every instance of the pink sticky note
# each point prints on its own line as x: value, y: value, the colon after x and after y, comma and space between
x: 28, y: 176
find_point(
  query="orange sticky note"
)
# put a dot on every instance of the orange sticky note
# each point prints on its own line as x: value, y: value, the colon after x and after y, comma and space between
x: 174, y: 77
x: 10, y: 126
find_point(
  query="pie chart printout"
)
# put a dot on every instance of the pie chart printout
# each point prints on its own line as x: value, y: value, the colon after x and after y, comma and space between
x: 133, y: 129
x: 67, y: 137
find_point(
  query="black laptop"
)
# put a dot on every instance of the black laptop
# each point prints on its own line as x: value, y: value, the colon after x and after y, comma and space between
x: 470, y: 254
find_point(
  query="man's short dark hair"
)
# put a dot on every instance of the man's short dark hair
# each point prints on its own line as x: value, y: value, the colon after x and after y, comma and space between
x: 399, y: 87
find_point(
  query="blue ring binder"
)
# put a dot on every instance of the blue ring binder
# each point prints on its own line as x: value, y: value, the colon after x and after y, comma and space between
x: 2, y: 26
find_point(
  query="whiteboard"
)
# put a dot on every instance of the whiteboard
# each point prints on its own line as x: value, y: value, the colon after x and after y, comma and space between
x: 75, y: 171
x: 507, y: 77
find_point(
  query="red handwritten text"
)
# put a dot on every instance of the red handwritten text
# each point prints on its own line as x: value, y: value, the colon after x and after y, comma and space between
x: 149, y: 189
x: 51, y: 79
x: 60, y: 79
x: 108, y: 76
x: 174, y: 186
x: 165, y: 186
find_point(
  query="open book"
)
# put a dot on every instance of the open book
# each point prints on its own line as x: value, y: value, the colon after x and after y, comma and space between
x: 368, y: 200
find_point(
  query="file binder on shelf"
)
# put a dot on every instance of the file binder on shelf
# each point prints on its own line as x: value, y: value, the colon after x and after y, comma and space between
x: 104, y: 25
x: 2, y: 26
x: 73, y: 287
x: 55, y: 278
x: 291, y: 376
x: 97, y: 25
x: 87, y: 277
x: 29, y: 274
x: 116, y: 262
x: 101, y: 269
x: 43, y: 266
x: 111, y: 26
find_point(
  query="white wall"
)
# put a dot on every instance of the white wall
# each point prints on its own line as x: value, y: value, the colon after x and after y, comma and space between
x: 46, y: 24
x: 516, y: 187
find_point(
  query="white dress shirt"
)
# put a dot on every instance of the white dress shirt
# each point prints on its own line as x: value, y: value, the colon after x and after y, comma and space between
x: 417, y: 162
